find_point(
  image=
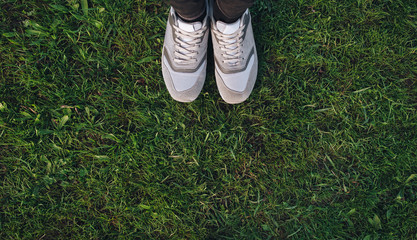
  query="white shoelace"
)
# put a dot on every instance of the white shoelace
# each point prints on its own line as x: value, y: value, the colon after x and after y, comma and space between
x: 230, y: 45
x: 187, y: 45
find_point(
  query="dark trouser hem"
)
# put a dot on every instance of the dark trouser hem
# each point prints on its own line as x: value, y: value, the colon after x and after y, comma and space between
x: 198, y: 19
x: 229, y: 11
x: 224, y: 10
x: 189, y: 10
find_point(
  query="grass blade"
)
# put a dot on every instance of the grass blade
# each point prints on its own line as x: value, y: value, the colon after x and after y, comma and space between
x: 84, y: 6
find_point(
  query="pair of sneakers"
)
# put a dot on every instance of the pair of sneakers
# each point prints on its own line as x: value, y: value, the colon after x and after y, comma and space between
x: 184, y: 57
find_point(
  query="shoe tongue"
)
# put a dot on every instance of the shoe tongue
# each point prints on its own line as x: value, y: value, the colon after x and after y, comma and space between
x: 189, y: 27
x: 228, y: 28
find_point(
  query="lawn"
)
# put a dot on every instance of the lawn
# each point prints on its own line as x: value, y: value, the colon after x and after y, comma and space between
x: 93, y: 147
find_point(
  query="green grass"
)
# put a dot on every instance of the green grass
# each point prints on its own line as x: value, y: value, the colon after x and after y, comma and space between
x: 93, y: 147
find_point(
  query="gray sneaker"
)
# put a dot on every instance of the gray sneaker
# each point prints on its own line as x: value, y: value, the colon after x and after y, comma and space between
x: 236, y: 60
x: 184, y: 57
